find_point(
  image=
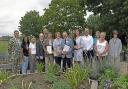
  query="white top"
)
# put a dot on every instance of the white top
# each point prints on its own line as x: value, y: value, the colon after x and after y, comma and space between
x: 87, y: 42
x: 33, y: 48
x: 101, y: 47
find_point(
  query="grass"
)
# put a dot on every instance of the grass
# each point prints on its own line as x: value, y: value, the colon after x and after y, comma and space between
x: 3, y: 47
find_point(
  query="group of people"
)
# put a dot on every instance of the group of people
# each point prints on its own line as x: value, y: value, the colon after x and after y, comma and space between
x: 65, y: 50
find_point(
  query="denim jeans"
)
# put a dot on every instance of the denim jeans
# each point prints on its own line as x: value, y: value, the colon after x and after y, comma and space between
x: 24, y: 64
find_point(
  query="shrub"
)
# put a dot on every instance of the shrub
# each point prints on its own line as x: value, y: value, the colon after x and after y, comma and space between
x: 121, y: 82
x: 75, y: 75
x: 61, y: 85
x: 40, y: 67
x: 107, y: 75
x: 3, y: 76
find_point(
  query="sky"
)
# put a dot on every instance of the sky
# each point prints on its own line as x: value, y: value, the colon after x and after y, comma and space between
x: 11, y: 12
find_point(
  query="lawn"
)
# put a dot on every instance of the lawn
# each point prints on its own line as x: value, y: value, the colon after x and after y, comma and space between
x: 3, y: 47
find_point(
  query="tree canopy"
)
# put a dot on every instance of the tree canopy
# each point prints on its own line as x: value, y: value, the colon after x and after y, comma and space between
x: 31, y: 23
x: 64, y: 15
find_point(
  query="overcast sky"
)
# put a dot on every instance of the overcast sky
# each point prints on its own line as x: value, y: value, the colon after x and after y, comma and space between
x: 11, y: 12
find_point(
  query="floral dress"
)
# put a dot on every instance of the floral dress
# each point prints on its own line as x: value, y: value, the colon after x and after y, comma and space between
x: 78, y: 54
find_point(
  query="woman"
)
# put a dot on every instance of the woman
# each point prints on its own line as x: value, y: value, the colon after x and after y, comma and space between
x: 48, y: 48
x: 67, y: 46
x: 57, y: 48
x: 97, y: 36
x: 25, y: 54
x: 78, y: 52
x: 32, y: 52
x: 101, y: 49
x: 115, y: 47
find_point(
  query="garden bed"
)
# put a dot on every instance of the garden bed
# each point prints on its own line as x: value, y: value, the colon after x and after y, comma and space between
x: 37, y: 82
x: 17, y: 82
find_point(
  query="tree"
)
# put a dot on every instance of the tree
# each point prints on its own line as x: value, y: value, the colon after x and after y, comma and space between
x: 64, y: 15
x: 113, y: 12
x: 31, y: 23
x: 94, y: 22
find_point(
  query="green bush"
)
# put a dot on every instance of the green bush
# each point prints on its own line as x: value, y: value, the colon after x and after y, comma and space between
x: 3, y: 76
x: 76, y: 75
x: 40, y: 67
x: 61, y: 85
x: 121, y: 82
x: 107, y: 74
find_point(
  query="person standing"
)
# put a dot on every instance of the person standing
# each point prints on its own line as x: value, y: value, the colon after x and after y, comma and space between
x: 97, y: 36
x: 14, y: 50
x: 88, y: 45
x: 57, y: 48
x: 48, y: 46
x: 101, y: 49
x: 67, y: 46
x: 25, y: 54
x: 39, y: 49
x: 32, y: 52
x: 45, y: 32
x: 78, y: 48
x: 115, y: 47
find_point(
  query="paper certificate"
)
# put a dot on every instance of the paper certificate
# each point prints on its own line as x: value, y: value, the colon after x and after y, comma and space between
x: 66, y: 48
x: 49, y: 49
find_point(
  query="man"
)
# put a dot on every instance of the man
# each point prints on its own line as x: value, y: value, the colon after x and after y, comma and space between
x: 88, y: 45
x: 67, y: 46
x: 39, y: 49
x: 45, y: 32
x: 48, y: 45
x: 14, y: 50
x: 115, y: 47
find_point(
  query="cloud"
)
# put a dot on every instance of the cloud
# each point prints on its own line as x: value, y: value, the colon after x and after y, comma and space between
x: 13, y: 10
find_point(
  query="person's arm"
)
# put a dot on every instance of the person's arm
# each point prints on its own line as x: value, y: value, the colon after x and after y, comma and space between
x: 54, y: 44
x: 120, y: 47
x: 81, y: 44
x: 91, y: 44
x: 21, y: 51
x: 38, y: 49
x: 44, y: 47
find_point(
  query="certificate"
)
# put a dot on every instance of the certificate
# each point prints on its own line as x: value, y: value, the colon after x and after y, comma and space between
x: 66, y: 48
x: 49, y: 49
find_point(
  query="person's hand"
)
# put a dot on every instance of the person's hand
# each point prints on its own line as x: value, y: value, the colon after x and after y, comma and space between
x: 63, y: 52
x: 76, y: 47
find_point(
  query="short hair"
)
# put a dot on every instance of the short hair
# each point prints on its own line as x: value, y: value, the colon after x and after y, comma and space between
x: 16, y: 31
x: 104, y: 33
x: 57, y: 33
x: 115, y: 32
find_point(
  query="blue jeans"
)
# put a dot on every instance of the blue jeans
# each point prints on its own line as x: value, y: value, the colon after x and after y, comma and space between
x: 25, y: 64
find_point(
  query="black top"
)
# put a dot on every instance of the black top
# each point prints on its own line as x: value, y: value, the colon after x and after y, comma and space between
x: 25, y: 49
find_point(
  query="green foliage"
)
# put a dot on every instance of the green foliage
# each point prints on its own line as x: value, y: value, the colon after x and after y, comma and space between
x: 40, y: 67
x: 75, y: 75
x: 51, y: 73
x: 61, y: 85
x: 64, y: 15
x: 54, y: 69
x: 113, y: 13
x: 3, y: 76
x: 31, y: 23
x: 108, y: 74
x: 121, y: 82
x: 94, y: 22
x: 51, y: 78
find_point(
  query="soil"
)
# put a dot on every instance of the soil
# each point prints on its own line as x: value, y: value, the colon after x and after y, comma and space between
x: 38, y: 82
